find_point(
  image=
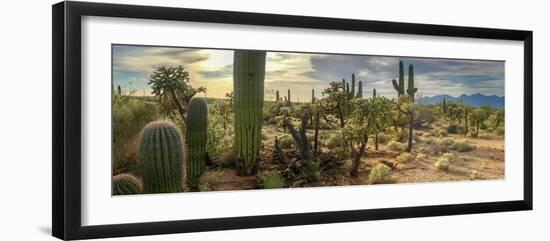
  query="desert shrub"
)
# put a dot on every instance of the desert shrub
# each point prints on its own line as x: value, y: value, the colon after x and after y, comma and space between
x: 430, y: 141
x: 460, y: 129
x: 219, y: 139
x: 286, y: 142
x: 449, y: 156
x: 228, y: 158
x: 335, y: 141
x: 442, y: 164
x: 474, y: 175
x: 380, y: 174
x: 325, y: 126
x: 490, y: 129
x: 439, y: 133
x: 130, y: 115
x: 397, y: 146
x: 500, y: 130
x: 405, y: 157
x: 438, y: 148
x: 271, y: 180
x: 448, y: 142
x: 452, y: 128
x: 462, y: 146
x: 383, y: 139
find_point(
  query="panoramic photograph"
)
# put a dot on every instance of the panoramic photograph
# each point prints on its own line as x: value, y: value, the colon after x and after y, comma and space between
x: 198, y: 120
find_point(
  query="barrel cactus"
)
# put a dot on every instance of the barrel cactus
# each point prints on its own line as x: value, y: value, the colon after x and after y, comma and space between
x: 126, y: 184
x: 248, y: 86
x: 160, y: 155
x: 196, y: 137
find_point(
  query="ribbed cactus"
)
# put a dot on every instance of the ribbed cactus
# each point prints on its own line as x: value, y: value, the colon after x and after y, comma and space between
x: 126, y: 184
x: 352, y: 93
x: 196, y: 137
x: 160, y: 154
x: 400, y: 88
x: 248, y: 84
x: 411, y: 90
x: 359, y: 90
x: 289, y: 101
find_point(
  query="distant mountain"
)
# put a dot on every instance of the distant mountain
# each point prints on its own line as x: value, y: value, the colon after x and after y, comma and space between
x: 474, y: 100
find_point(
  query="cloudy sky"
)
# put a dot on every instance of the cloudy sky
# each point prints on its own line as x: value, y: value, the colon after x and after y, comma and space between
x: 213, y: 69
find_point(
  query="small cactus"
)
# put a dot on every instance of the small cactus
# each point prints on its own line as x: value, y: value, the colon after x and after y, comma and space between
x: 160, y: 155
x: 196, y: 137
x: 126, y: 184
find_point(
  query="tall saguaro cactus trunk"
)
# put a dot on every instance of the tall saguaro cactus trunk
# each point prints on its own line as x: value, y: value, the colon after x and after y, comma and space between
x: 160, y: 154
x: 248, y: 87
x: 411, y: 90
x: 196, y: 137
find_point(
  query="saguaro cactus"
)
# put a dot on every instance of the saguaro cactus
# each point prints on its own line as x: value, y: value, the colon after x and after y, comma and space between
x: 352, y: 85
x: 248, y: 84
x: 313, y: 96
x: 411, y: 90
x: 160, y: 154
x: 374, y: 93
x: 289, y: 101
x: 277, y: 96
x: 126, y: 184
x: 359, y: 90
x: 400, y: 88
x: 196, y: 137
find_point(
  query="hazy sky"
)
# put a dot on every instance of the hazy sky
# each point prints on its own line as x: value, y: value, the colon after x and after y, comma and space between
x: 213, y: 69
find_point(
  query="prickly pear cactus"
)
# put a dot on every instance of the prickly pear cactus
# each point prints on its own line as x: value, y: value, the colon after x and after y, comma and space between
x: 196, y: 137
x: 248, y: 84
x: 126, y: 184
x: 160, y: 155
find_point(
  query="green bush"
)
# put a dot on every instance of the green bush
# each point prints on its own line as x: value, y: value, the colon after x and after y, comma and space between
x: 452, y: 128
x: 405, y: 157
x: 439, y: 133
x: 380, y: 174
x: 286, y: 142
x: 442, y: 164
x: 130, y: 115
x: 335, y: 141
x: 500, y: 130
x: 397, y: 146
x: 462, y: 146
x: 448, y: 142
x: 438, y: 148
x: 449, y: 156
x: 271, y: 180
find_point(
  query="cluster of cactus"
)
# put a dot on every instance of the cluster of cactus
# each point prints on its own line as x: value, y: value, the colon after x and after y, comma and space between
x: 160, y: 155
x: 126, y: 184
x: 248, y: 86
x: 196, y: 137
x: 400, y: 87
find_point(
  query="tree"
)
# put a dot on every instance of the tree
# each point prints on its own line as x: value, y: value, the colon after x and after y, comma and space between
x: 382, y: 115
x: 170, y: 85
x: 479, y: 116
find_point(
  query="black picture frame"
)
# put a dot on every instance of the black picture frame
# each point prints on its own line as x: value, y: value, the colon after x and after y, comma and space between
x: 66, y: 129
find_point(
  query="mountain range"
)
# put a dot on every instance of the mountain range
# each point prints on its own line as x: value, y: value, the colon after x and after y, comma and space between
x: 474, y: 100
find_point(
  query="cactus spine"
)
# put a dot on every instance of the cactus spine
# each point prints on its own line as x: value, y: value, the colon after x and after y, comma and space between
x: 248, y: 84
x: 160, y: 154
x: 126, y: 184
x: 411, y: 90
x: 400, y: 88
x: 196, y: 137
